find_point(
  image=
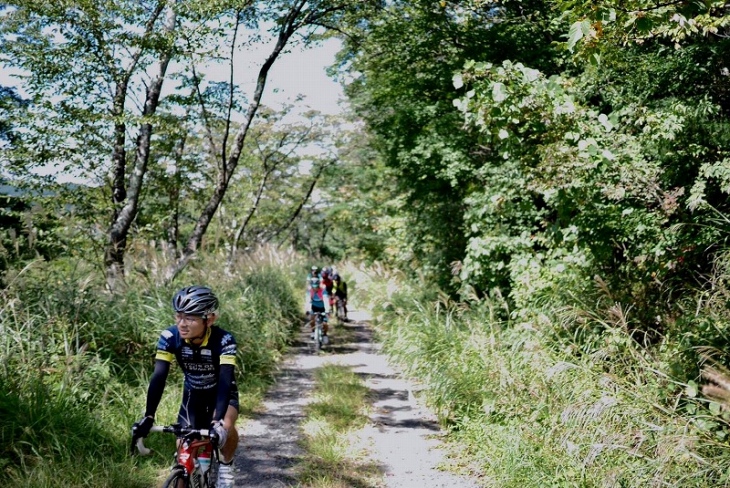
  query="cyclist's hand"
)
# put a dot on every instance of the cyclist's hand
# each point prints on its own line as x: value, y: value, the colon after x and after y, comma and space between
x: 220, y: 431
x: 142, y: 428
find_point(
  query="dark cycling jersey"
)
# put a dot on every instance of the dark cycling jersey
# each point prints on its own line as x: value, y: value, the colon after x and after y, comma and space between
x: 208, y: 368
x: 200, y: 364
x: 340, y: 286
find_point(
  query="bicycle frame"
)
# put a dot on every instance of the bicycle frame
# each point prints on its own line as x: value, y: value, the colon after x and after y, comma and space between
x: 319, y: 318
x: 189, y: 443
x: 187, y: 452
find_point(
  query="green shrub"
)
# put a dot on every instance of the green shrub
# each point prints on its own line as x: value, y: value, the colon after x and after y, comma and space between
x: 530, y: 406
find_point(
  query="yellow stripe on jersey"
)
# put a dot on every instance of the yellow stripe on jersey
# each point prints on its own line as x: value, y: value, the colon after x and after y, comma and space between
x: 164, y: 356
x: 228, y: 359
x: 205, y: 339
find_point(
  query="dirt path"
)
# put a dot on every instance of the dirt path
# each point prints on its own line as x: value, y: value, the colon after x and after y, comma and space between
x: 402, y: 436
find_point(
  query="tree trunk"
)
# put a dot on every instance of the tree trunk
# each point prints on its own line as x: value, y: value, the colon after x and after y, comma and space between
x: 269, y: 164
x: 124, y: 216
x: 173, y: 229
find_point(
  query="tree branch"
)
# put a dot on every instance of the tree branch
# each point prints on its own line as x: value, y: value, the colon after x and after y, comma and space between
x: 299, y: 208
x: 285, y: 32
x: 229, y: 110
x: 203, y: 109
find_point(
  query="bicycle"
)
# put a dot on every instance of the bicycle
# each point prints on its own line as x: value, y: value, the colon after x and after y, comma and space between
x: 340, y: 309
x: 318, y: 334
x: 192, y: 445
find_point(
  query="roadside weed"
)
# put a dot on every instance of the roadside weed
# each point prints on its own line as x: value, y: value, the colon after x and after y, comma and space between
x: 75, y: 362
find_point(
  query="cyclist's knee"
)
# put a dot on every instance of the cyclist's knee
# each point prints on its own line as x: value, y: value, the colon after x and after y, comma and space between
x: 229, y: 419
x: 228, y: 450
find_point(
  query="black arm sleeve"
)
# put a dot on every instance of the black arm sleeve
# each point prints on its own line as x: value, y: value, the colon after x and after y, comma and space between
x: 225, y: 380
x: 157, y: 386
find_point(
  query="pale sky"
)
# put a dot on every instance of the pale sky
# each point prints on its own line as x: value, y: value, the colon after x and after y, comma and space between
x: 304, y: 72
x: 301, y: 71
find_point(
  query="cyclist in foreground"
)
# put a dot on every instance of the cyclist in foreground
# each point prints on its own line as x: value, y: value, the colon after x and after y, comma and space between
x: 207, y: 356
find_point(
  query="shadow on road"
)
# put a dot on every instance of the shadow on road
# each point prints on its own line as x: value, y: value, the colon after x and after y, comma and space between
x: 269, y: 451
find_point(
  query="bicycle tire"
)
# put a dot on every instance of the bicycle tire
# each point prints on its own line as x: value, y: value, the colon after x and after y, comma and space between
x: 211, y: 476
x: 176, y: 476
x: 317, y: 334
x: 340, y: 311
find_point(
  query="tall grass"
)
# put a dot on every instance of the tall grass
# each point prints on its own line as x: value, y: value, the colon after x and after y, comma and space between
x: 528, y: 405
x: 75, y: 360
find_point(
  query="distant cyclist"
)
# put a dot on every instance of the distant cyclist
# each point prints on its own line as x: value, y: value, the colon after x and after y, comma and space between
x: 207, y: 356
x: 313, y: 273
x: 328, y: 283
x: 317, y: 301
x: 339, y: 289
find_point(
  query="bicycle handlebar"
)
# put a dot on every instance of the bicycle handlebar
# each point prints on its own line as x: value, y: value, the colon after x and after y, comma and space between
x: 178, y: 430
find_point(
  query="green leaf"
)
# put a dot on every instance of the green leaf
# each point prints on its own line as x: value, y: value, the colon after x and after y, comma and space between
x: 691, y: 390
x: 714, y: 408
x: 644, y: 24
x: 585, y: 27
x: 605, y: 122
x: 607, y: 15
x: 575, y: 34
x: 499, y: 93
x: 530, y: 74
x: 458, y: 81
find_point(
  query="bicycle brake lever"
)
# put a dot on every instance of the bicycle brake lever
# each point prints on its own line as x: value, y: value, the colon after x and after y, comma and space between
x: 213, y: 437
x: 144, y: 451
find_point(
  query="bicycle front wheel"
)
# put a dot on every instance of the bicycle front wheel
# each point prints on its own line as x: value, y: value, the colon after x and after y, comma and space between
x: 211, y: 476
x: 317, y: 337
x: 340, y: 311
x: 177, y: 479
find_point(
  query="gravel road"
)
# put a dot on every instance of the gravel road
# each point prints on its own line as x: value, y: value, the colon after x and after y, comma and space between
x: 402, y: 436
